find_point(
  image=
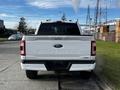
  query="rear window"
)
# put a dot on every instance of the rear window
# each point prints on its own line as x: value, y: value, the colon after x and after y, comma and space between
x: 58, y: 28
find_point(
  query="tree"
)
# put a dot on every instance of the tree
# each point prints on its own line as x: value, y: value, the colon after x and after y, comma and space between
x: 22, y: 26
x: 64, y: 17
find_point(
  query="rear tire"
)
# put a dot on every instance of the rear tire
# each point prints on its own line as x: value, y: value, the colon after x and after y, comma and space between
x: 31, y: 74
x: 86, y: 74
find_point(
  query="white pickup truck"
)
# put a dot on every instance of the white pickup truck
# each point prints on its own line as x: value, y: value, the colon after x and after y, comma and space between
x: 57, y: 46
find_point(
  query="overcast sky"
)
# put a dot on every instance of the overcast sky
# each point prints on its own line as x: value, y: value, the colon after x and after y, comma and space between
x: 36, y: 11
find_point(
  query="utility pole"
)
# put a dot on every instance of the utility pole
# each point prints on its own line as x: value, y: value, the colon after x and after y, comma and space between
x: 106, y: 13
x: 96, y: 14
x: 100, y: 16
x: 88, y: 16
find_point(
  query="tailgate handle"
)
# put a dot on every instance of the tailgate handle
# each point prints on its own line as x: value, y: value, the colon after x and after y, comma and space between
x: 58, y: 46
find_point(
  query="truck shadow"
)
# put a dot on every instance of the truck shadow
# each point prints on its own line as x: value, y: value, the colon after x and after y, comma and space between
x: 64, y: 76
x: 70, y: 81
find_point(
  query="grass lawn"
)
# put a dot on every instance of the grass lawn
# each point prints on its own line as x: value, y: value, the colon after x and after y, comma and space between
x: 110, y: 53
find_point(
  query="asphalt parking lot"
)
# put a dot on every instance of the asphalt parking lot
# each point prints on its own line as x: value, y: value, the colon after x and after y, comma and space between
x: 13, y: 78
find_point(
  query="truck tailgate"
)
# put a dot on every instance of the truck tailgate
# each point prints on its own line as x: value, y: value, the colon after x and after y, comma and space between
x: 68, y: 47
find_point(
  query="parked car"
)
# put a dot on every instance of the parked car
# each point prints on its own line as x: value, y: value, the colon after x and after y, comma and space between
x: 15, y: 37
x: 58, y: 46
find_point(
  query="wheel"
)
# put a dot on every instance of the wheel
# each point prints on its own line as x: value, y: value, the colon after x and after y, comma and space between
x: 86, y: 74
x: 31, y: 74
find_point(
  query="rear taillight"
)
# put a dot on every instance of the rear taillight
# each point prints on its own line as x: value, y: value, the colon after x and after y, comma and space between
x: 22, y: 48
x: 93, y: 48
